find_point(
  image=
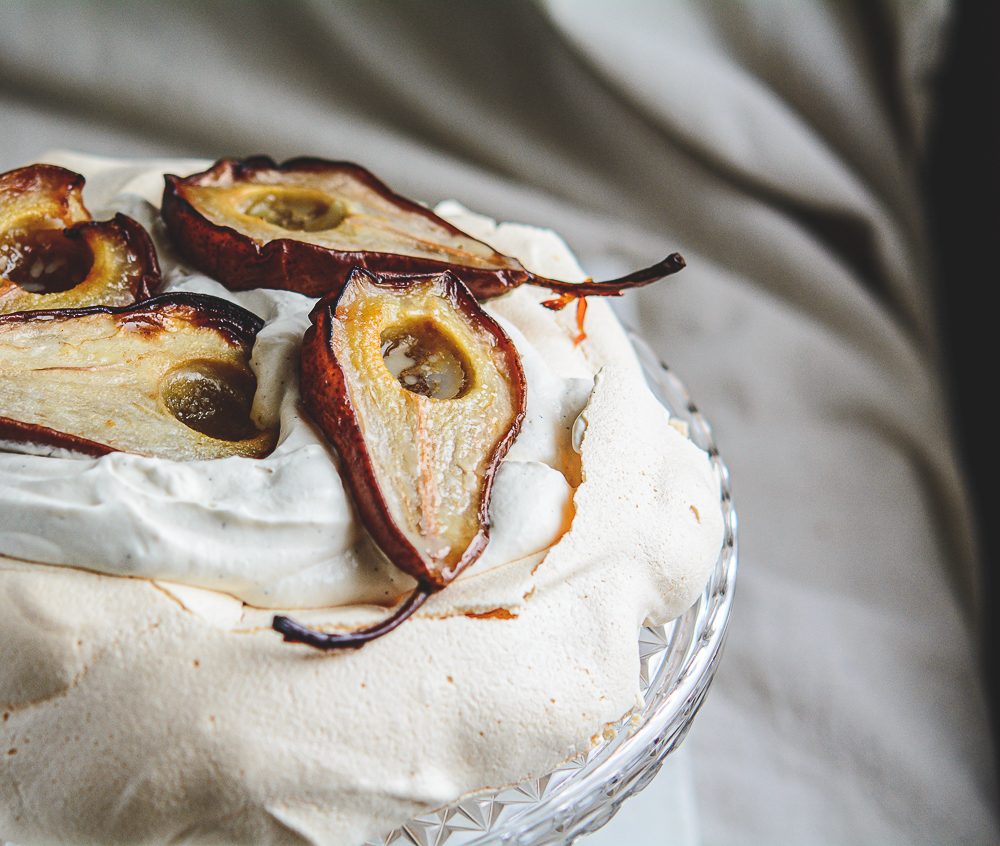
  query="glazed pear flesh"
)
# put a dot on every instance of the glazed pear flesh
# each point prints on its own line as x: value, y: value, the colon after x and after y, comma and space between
x: 169, y: 378
x: 422, y: 394
x: 52, y: 255
x: 337, y: 211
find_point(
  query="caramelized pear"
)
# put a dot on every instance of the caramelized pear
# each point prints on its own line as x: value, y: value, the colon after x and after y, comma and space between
x: 422, y: 394
x: 304, y: 225
x: 52, y: 255
x: 168, y: 377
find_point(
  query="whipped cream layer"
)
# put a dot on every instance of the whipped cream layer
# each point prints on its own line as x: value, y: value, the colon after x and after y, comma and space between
x: 154, y: 710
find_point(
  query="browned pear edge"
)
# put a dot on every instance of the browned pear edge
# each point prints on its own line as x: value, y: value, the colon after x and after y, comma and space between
x: 15, y: 431
x: 59, y: 182
x: 327, y: 398
x: 239, y: 262
x: 239, y: 326
x: 136, y: 239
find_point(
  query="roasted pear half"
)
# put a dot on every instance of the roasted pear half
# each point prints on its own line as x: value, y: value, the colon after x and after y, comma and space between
x: 422, y: 394
x: 168, y: 377
x: 52, y: 255
x: 305, y: 224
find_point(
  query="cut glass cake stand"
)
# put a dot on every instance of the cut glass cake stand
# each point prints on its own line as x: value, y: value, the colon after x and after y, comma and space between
x: 678, y: 662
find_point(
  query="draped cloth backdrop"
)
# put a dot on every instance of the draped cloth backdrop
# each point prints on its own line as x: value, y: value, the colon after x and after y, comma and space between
x: 776, y: 144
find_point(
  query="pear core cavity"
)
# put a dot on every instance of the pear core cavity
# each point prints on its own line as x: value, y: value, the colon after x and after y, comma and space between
x: 211, y: 397
x: 294, y: 209
x: 46, y: 261
x: 425, y: 360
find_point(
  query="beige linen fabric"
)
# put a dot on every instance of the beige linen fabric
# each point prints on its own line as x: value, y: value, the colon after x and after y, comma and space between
x: 776, y: 144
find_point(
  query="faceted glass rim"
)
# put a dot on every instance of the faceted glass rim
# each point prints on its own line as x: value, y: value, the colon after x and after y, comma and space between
x: 678, y: 662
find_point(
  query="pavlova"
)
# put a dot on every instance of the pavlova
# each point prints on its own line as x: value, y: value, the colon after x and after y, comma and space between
x: 316, y: 514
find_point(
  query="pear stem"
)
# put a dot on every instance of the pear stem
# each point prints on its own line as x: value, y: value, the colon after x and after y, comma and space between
x: 297, y: 633
x: 570, y: 291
